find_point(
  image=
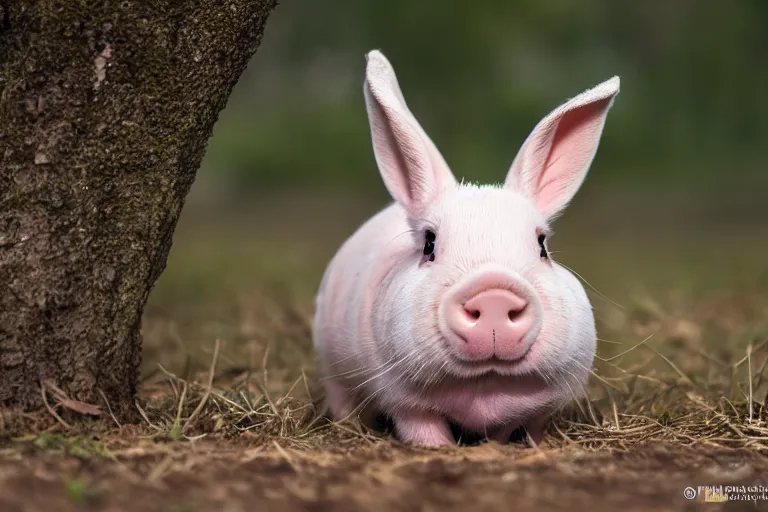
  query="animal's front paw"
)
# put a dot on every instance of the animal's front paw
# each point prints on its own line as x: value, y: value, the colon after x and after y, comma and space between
x: 423, y: 429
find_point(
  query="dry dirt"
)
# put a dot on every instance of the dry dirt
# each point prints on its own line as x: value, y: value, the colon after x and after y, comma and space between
x: 252, y: 474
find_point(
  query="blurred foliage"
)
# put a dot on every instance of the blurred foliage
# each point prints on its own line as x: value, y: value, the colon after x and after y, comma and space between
x: 478, y: 76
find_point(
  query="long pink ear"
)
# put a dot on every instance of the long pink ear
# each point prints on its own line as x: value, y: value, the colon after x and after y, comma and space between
x: 412, y: 168
x: 554, y: 160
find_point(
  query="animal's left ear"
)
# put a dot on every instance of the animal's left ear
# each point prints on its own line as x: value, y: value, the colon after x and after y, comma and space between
x: 412, y: 168
x: 555, y: 158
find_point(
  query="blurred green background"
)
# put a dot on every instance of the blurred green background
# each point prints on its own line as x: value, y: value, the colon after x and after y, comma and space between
x: 694, y: 103
x: 674, y: 202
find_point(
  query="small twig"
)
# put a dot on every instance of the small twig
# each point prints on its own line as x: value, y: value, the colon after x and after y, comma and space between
x: 603, y: 340
x: 50, y: 409
x: 176, y: 428
x: 306, y: 384
x: 171, y: 379
x: 605, y: 382
x: 268, y: 398
x: 756, y: 348
x: 61, y: 398
x: 229, y: 402
x: 57, y: 391
x: 287, y: 395
x: 315, y: 419
x: 609, y: 359
x: 109, y: 409
x: 565, y: 437
x: 264, y: 364
x: 207, y: 394
x: 616, y: 414
x: 144, y: 415
x: 581, y: 409
x: 673, y: 366
x: 285, y: 455
x: 592, y: 414
x: 604, y: 297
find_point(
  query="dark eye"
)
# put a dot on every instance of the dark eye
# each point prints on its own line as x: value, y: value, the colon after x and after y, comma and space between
x: 429, y: 245
x: 543, y: 253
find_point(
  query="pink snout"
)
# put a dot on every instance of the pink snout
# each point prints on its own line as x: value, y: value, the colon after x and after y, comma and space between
x: 493, y: 323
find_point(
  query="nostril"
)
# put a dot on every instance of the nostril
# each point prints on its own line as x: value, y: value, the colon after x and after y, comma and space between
x: 472, y: 313
x: 515, y: 313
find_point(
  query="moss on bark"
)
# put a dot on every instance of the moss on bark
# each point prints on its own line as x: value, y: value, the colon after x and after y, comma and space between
x: 106, y: 108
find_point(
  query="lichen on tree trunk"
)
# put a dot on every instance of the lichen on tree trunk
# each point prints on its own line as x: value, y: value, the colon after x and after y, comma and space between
x: 105, y: 112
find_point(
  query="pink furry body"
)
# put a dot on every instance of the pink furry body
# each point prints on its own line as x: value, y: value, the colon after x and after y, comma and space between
x: 446, y: 306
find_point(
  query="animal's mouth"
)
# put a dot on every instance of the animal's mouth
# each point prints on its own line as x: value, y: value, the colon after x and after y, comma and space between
x: 493, y: 360
x: 490, y: 365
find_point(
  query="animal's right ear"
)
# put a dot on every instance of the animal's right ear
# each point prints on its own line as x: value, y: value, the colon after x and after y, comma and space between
x: 555, y: 159
x: 412, y: 168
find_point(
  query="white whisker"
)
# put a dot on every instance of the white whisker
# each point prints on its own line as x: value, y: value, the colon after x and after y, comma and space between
x: 592, y: 287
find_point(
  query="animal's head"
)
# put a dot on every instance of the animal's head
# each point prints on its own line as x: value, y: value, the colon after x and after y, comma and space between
x: 480, y: 291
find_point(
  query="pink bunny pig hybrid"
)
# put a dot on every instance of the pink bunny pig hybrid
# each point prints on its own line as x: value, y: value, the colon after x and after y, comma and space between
x: 446, y: 307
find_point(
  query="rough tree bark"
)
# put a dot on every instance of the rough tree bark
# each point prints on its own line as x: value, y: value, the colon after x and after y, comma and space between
x: 105, y: 111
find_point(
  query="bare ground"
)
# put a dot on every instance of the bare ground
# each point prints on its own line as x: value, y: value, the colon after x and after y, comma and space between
x: 677, y: 397
x: 249, y: 474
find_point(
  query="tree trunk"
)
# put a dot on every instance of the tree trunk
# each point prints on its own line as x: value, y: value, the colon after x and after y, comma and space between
x: 106, y: 108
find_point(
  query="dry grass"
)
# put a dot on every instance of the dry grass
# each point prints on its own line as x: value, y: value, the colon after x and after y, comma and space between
x: 667, y: 387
